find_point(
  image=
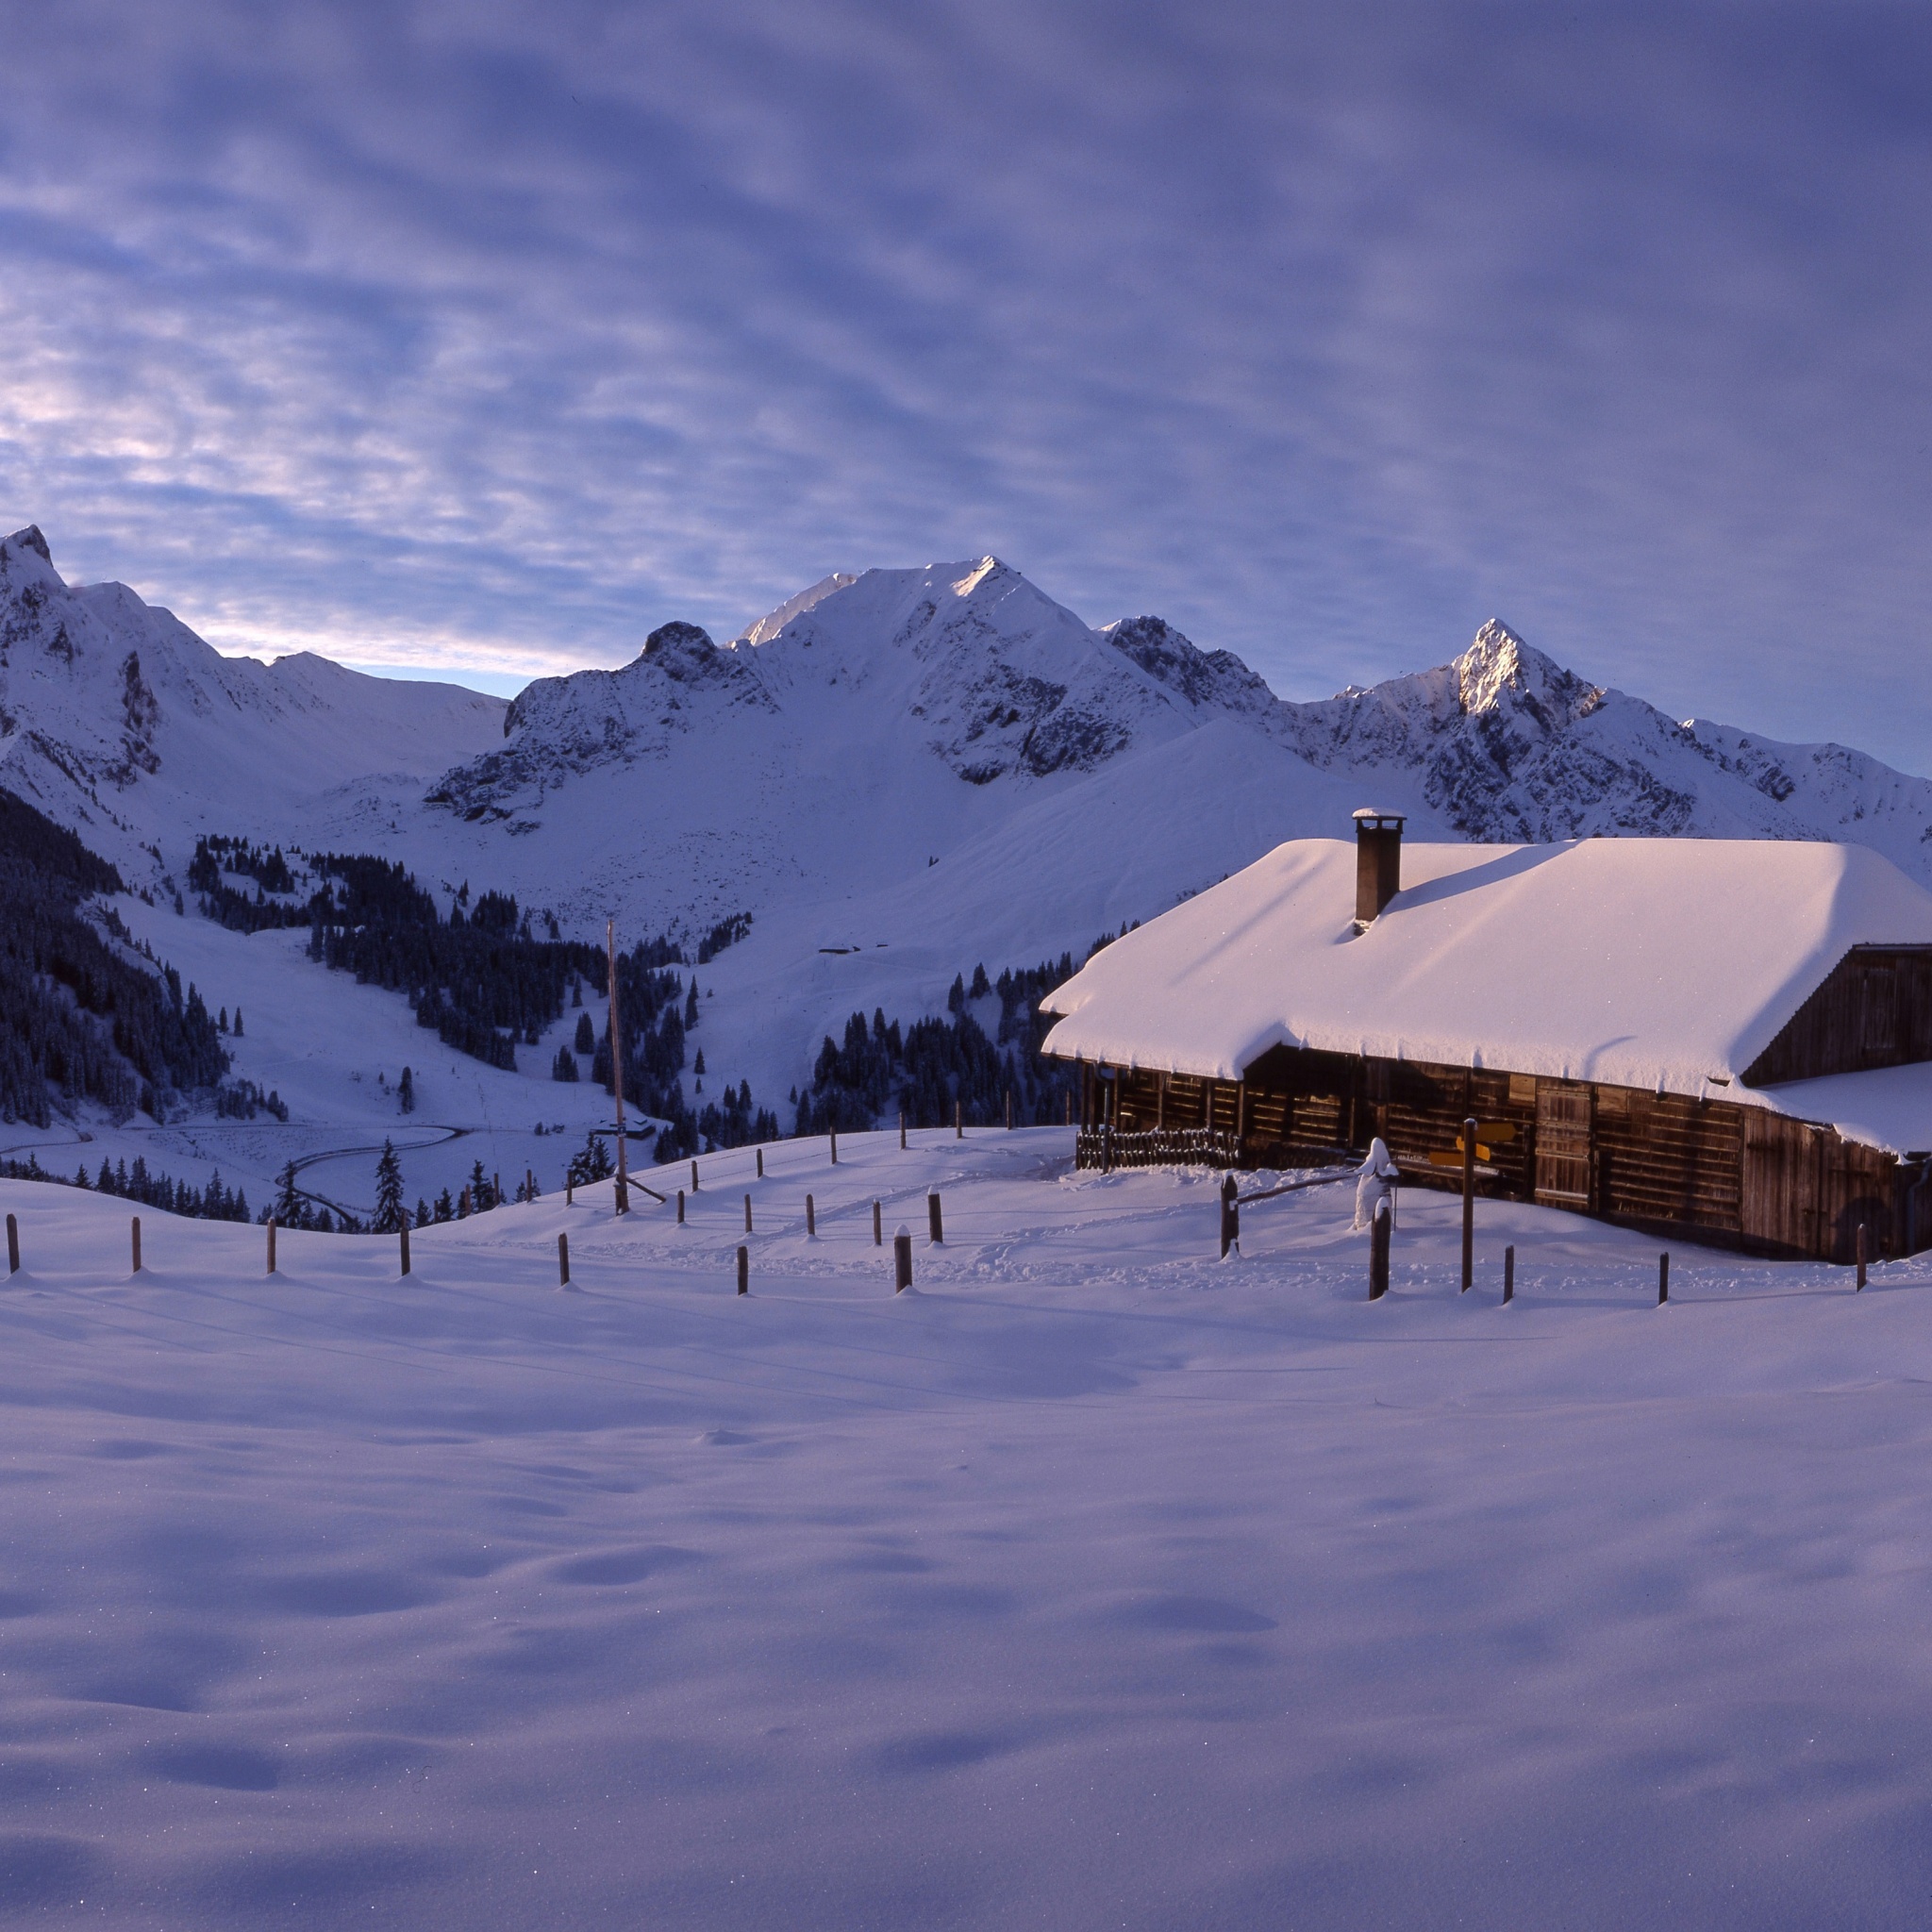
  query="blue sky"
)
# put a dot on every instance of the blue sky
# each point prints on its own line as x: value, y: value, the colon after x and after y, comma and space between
x: 493, y: 337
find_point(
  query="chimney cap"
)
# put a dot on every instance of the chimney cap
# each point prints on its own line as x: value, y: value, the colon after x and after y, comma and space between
x: 1368, y: 812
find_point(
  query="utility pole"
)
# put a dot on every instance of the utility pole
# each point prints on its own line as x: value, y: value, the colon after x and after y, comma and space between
x: 616, y: 1071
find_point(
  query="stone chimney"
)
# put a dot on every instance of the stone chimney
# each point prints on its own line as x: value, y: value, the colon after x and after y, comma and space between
x: 1377, y: 863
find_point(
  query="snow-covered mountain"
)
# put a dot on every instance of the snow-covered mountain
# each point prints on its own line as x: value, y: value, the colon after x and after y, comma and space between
x: 897, y: 774
x: 1506, y: 744
x: 117, y: 720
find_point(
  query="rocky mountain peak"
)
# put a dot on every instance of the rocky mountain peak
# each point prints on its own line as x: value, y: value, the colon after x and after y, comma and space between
x: 1499, y: 672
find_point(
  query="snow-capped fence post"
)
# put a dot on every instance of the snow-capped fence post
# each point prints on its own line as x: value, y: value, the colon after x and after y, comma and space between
x: 1468, y: 1203
x: 680, y: 1207
x: 761, y: 1163
x: 1378, y: 1250
x: 902, y: 1259
x: 1663, y: 1277
x: 935, y: 1227
x: 811, y: 1220
x: 1230, y: 1216
x: 879, y: 1227
x: 833, y: 1135
x: 1510, y: 1273
x: 1861, y: 1259
x: 13, y: 1245
x: 743, y: 1268
x: 137, y: 1243
x: 693, y: 1176
x: 569, y: 1191
x: 563, y: 1261
x: 902, y: 1130
x: 404, y: 1232
x: 958, y: 1121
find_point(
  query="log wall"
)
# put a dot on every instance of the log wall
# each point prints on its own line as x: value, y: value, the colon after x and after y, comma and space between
x: 1726, y: 1173
x: 1874, y: 1008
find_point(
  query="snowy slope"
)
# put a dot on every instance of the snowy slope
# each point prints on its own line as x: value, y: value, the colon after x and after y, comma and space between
x: 117, y: 720
x: 1095, y: 1583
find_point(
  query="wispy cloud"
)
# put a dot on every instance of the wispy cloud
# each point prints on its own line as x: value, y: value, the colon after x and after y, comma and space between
x: 498, y: 335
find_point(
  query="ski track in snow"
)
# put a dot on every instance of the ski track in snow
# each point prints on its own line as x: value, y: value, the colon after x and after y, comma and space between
x: 1093, y: 1583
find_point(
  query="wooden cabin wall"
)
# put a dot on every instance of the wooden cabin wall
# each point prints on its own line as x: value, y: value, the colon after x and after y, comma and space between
x: 1805, y: 1191
x: 1873, y: 1010
x: 1726, y: 1172
x: 1668, y: 1158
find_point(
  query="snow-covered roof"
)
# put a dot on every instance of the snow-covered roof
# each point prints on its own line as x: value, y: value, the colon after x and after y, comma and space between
x: 1659, y: 964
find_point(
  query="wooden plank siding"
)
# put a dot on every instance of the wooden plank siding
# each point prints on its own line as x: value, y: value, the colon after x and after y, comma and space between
x: 1874, y: 1008
x: 1728, y: 1174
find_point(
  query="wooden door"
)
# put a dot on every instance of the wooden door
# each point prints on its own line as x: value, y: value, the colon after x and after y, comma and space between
x: 1562, y: 1143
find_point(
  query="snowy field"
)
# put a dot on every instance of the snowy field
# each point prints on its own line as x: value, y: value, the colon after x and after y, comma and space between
x: 1095, y: 1583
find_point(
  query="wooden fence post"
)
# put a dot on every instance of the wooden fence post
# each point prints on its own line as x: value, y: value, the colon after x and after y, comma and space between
x: 958, y: 1122
x: 137, y: 1243
x: 747, y: 1214
x: 744, y: 1269
x: 463, y: 1206
x: 1510, y: 1273
x: 811, y: 1220
x: 271, y: 1243
x: 563, y: 1261
x: 1230, y: 1215
x: 1861, y: 1258
x: 1468, y: 1204
x: 13, y: 1245
x: 1378, y: 1250
x: 935, y: 1227
x: 1663, y: 1277
x: 680, y: 1207
x: 902, y: 1130
x: 902, y: 1259
x: 404, y: 1232
x: 570, y: 1191
x: 761, y: 1163
x: 878, y: 1227
x: 693, y: 1176
x: 1010, y: 1109
x: 833, y: 1134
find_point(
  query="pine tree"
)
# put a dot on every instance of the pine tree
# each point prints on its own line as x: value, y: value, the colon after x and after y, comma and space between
x: 482, y: 1197
x: 691, y: 1006
x: 405, y: 1091
x: 566, y: 1067
x: 290, y: 1209
x: 238, y: 1023
x: 698, y: 1064
x: 390, y: 1213
x: 222, y: 1024
x: 422, y: 1211
x: 586, y: 1038
x: 445, y: 1207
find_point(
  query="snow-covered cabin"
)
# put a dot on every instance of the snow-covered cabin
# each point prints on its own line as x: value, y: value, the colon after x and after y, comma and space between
x: 1727, y: 1035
